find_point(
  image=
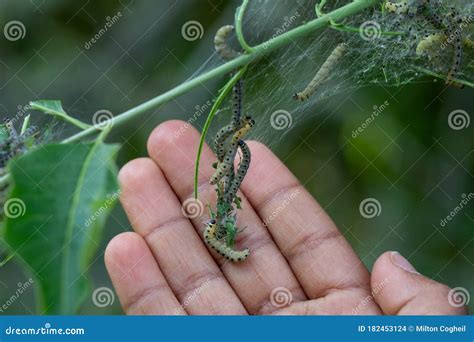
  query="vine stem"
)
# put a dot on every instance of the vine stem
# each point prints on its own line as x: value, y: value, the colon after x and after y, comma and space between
x: 222, y: 94
x: 238, y: 27
x: 257, y: 51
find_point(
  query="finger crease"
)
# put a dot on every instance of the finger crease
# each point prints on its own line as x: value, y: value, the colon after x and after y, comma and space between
x: 309, y: 243
x: 166, y: 225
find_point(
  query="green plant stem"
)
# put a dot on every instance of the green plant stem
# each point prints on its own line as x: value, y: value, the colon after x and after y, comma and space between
x: 443, y: 77
x: 238, y: 27
x: 345, y: 28
x: 319, y: 8
x: 26, y: 124
x: 217, y: 103
x: 257, y: 51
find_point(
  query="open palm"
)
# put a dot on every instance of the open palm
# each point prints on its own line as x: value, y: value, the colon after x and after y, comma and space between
x: 299, y: 263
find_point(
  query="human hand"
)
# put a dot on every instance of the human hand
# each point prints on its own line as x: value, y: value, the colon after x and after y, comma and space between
x: 300, y: 264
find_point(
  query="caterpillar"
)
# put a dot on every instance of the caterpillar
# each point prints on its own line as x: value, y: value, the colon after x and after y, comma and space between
x: 226, y: 131
x: 322, y: 73
x: 241, y: 172
x: 221, y: 247
x: 225, y: 166
x: 430, y: 45
x: 220, y: 43
x: 396, y: 7
x: 454, y: 34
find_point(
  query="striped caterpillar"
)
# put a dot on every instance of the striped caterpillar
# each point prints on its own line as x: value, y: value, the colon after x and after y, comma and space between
x: 450, y: 27
x: 241, y: 172
x: 225, y: 132
x: 220, y: 43
x: 454, y: 33
x: 221, y: 247
x: 223, y: 167
x: 322, y: 73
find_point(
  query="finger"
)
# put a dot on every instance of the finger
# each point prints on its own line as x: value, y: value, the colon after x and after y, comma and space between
x: 319, y: 255
x: 265, y: 269
x: 140, y: 285
x: 155, y: 213
x: 400, y: 290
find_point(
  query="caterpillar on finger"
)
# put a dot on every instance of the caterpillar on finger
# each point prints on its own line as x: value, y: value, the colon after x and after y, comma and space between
x: 220, y: 43
x: 221, y: 247
x: 322, y: 73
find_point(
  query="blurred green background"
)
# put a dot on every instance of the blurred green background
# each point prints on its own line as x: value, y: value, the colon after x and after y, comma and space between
x: 409, y: 159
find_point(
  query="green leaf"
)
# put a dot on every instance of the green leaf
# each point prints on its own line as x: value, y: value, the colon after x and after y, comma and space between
x: 55, y: 108
x: 64, y: 193
x: 231, y: 233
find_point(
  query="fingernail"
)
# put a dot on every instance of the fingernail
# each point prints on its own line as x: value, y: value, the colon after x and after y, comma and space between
x: 399, y: 261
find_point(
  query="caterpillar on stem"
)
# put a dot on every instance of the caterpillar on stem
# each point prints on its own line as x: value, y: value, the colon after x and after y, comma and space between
x: 223, y: 168
x: 220, y: 43
x: 241, y: 172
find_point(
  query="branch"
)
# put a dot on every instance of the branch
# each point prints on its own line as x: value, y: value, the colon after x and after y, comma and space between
x: 257, y: 52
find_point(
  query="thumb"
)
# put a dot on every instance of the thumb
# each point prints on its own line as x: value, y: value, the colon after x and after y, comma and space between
x: 400, y: 290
